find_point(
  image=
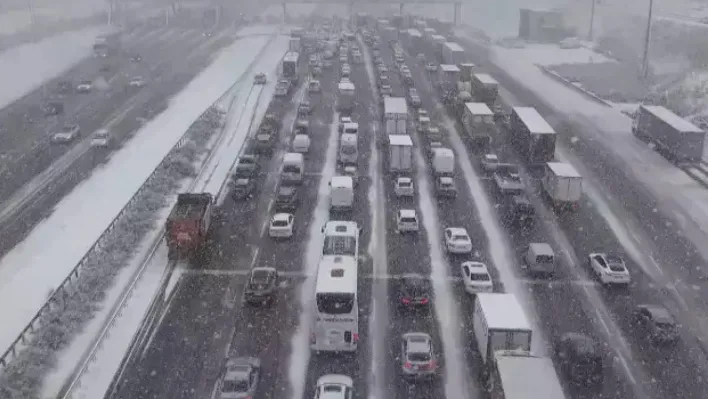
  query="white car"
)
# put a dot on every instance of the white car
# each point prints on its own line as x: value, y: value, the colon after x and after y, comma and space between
x: 609, y: 269
x: 457, y: 241
x: 101, y: 138
x: 281, y: 225
x: 431, y: 67
x: 406, y: 221
x: 386, y: 90
x: 314, y: 86
x: 490, y: 162
x: 404, y: 187
x: 260, y: 79
x: 476, y: 277
x: 85, y: 87
x: 343, y: 121
x: 68, y: 134
x: 137, y: 81
x: 334, y: 386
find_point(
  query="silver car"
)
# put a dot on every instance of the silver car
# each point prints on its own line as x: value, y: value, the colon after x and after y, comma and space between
x: 239, y: 378
x: 418, y: 358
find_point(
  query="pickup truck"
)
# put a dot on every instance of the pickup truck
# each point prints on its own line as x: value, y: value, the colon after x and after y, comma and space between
x: 188, y: 224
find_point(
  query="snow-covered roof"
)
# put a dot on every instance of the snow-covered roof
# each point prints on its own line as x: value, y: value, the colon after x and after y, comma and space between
x: 533, y: 120
x: 342, y: 181
x: 395, y: 105
x: 503, y: 311
x: 523, y: 374
x: 478, y: 109
x: 672, y: 119
x: 454, y: 46
x: 429, y: 30
x: 449, y: 68
x: 341, y: 228
x: 291, y: 56
x: 400, y: 139
x: 438, y: 38
x: 346, y: 86
x: 563, y: 169
x: 293, y: 157
x: 328, y: 280
x: 414, y: 32
x: 407, y: 213
x: 486, y: 79
x: 443, y: 152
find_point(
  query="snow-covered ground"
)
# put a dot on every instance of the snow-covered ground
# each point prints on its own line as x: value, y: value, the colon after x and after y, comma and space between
x: 38, y: 264
x: 15, y: 15
x: 25, y: 68
x: 99, y: 373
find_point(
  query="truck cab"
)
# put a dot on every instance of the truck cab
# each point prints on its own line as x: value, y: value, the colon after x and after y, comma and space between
x: 188, y: 224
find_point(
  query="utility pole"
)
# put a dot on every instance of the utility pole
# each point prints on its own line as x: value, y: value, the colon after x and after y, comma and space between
x: 30, y: 8
x: 647, y: 37
x: 592, y: 21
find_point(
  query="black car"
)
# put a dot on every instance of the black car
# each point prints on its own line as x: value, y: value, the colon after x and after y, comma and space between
x: 243, y: 188
x: 517, y: 210
x: 286, y: 199
x: 262, y: 286
x: 136, y: 58
x: 248, y: 166
x: 580, y: 359
x: 658, y: 323
x: 445, y: 187
x: 414, y: 291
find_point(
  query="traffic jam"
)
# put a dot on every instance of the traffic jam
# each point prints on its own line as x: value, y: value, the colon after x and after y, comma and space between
x: 407, y: 232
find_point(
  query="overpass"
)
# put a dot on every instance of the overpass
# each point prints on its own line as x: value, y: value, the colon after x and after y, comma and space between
x: 456, y: 4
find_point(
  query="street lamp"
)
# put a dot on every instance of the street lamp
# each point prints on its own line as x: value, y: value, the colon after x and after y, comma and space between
x: 592, y: 20
x: 647, y: 37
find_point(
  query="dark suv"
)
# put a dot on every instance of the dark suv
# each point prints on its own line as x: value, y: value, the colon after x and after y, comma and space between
x: 262, y: 286
x: 580, y: 359
x: 286, y: 199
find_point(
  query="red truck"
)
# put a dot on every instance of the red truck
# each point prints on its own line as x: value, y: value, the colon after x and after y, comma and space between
x: 188, y: 224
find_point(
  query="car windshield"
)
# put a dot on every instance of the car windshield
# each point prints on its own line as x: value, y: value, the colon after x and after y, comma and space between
x: 68, y: 129
x: 280, y: 223
x: 235, y: 386
x: 460, y: 237
x: 480, y: 277
x: 419, y: 357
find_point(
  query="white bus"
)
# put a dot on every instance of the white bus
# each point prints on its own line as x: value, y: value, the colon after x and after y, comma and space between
x: 291, y: 66
x: 346, y: 96
x: 336, y: 316
x: 341, y: 237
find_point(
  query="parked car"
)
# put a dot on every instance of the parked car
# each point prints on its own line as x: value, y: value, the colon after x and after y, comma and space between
x: 85, y: 86
x: 137, y: 82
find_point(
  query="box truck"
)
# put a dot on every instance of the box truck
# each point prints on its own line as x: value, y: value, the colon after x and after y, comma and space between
x: 563, y: 185
x: 532, y: 135
x: 400, y: 151
x: 675, y: 137
x: 395, y: 115
x: 453, y: 53
x: 499, y: 323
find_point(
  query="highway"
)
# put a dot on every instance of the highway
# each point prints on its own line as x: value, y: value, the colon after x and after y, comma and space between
x: 35, y: 173
x: 204, y: 319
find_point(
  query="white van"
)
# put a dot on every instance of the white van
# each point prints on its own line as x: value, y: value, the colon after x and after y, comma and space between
x: 348, y: 148
x: 293, y: 169
x: 341, y: 193
x: 301, y: 143
x: 350, y: 128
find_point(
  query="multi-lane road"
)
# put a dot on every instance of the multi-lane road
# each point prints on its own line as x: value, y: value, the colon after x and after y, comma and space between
x: 35, y: 173
x: 205, y: 318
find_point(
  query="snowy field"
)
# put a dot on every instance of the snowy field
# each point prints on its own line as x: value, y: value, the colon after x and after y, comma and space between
x: 24, y: 68
x: 15, y: 15
x: 37, y: 265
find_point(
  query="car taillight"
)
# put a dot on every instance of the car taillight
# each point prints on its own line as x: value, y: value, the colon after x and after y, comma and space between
x: 405, y: 301
x: 432, y: 364
x: 407, y: 365
x: 424, y: 301
x: 312, y: 338
x: 355, y: 337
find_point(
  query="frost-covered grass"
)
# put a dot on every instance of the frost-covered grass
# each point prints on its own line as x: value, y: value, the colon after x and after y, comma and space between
x: 23, y: 376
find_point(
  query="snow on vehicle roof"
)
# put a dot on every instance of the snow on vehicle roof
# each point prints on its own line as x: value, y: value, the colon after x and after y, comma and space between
x: 486, y: 79
x: 342, y: 181
x: 563, y: 169
x: 327, y: 282
x: 414, y: 32
x: 443, y: 152
x: 478, y: 109
x: 438, y: 37
x: 341, y: 228
x: 503, y: 311
x: 672, y: 119
x: 346, y: 86
x: 335, y: 379
x: 523, y: 374
x: 400, y: 139
x: 454, y: 46
x: 293, y: 157
x: 395, y: 105
x: 407, y: 213
x: 291, y: 56
x: 449, y: 68
x: 533, y: 120
x: 541, y: 248
x: 281, y: 217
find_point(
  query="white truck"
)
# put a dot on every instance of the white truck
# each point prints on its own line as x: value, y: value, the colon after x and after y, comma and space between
x: 346, y: 96
x: 341, y: 193
x: 520, y: 376
x: 672, y: 135
x: 499, y: 323
x: 563, y: 185
x: 400, y: 153
x: 443, y: 160
x: 294, y: 44
x: 395, y: 115
x: 453, y: 53
x: 478, y: 121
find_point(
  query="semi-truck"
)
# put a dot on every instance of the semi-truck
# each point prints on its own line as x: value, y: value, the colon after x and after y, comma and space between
x: 291, y: 66
x: 484, y: 88
x: 448, y: 78
x: 443, y: 162
x: 415, y: 41
x: 346, y: 97
x: 453, y: 53
x: 294, y: 44
x: 515, y: 375
x: 532, y: 135
x: 395, y: 115
x: 188, y: 224
x: 499, y: 323
x: 478, y: 121
x: 400, y: 153
x: 563, y: 185
x: 678, y: 139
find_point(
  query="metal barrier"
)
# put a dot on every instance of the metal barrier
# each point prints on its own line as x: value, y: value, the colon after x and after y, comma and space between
x: 65, y: 288
x: 82, y: 367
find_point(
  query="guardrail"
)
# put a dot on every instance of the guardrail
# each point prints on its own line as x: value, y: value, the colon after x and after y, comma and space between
x: 89, y: 356
x: 65, y: 289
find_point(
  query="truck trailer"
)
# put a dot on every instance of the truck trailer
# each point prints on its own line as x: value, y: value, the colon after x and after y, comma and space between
x: 188, y: 224
x: 395, y: 115
x: 400, y: 154
x: 478, y: 121
x: 484, y: 88
x: 677, y: 139
x: 453, y: 53
x: 532, y: 135
x: 500, y: 323
x: 563, y: 185
x: 291, y: 67
x: 522, y: 376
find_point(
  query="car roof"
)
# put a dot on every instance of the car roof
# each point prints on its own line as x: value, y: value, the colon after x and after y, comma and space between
x: 286, y: 189
x: 457, y: 230
x: 417, y: 341
x: 405, y: 180
x: 446, y: 179
x: 282, y: 216
x: 658, y: 312
x: 237, y: 369
x: 407, y: 213
x: 476, y: 267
